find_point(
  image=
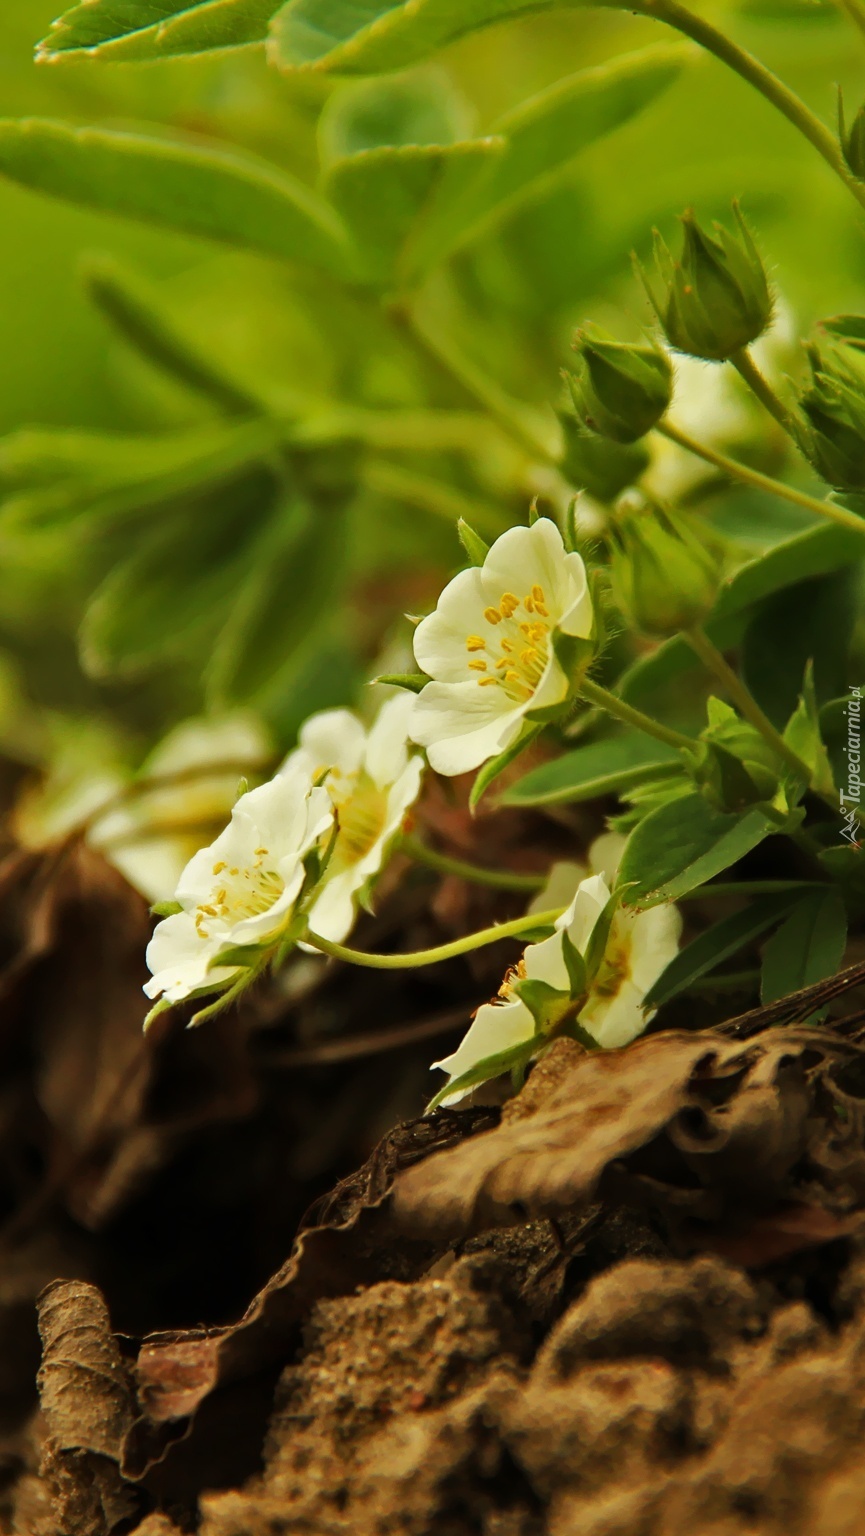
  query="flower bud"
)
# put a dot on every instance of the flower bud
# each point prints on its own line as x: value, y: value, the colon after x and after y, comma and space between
x: 598, y: 465
x: 664, y: 579
x: 619, y: 390
x: 833, y: 405
x: 852, y: 141
x: 716, y: 298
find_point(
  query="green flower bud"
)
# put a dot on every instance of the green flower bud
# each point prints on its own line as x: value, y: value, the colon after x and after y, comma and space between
x: 853, y: 140
x: 597, y: 465
x: 833, y: 407
x: 716, y: 298
x: 619, y: 390
x: 664, y: 579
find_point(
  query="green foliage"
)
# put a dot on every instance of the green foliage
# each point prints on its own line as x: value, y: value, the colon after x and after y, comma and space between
x: 808, y: 946
x: 124, y: 30
x: 685, y: 843
x: 608, y: 766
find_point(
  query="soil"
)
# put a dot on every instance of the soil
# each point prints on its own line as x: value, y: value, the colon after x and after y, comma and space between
x: 629, y: 1302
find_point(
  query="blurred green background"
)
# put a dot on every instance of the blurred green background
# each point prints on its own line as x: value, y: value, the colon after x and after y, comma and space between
x: 127, y: 625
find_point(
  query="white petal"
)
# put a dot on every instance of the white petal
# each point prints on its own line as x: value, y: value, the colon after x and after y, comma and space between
x: 387, y: 743
x: 235, y: 845
x: 179, y: 959
x: 553, y: 686
x: 655, y: 939
x: 546, y: 962
x: 615, y: 1021
x: 333, y: 912
x: 440, y: 640
x: 560, y: 888
x: 334, y: 738
x: 605, y: 855
x: 495, y: 1028
x: 461, y: 725
x: 526, y: 557
x: 199, y: 743
x: 578, y: 614
x: 585, y: 909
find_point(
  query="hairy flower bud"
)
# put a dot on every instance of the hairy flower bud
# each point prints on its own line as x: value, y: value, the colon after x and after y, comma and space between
x: 664, y: 579
x: 619, y: 390
x: 716, y: 298
x: 852, y: 141
x: 833, y: 406
x: 597, y: 465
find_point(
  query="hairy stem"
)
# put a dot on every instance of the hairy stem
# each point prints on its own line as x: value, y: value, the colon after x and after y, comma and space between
x: 512, y: 930
x: 613, y: 705
x: 747, y: 369
x: 502, y: 880
x: 746, y: 476
x: 757, y: 75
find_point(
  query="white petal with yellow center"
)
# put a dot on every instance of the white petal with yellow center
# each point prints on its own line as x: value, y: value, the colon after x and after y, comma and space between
x: 488, y: 647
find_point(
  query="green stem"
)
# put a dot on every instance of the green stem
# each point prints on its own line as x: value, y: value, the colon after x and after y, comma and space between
x: 741, y: 472
x: 502, y: 880
x: 408, y: 962
x: 756, y: 74
x: 747, y: 369
x: 518, y: 419
x: 744, y: 700
x: 635, y: 717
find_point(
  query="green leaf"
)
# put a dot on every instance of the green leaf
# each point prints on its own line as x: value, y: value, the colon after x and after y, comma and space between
x: 402, y: 113
x: 121, y: 30
x: 133, y: 306
x: 816, y: 551
x: 803, y: 734
x: 807, y: 947
x: 576, y: 965
x: 367, y: 37
x: 163, y: 604
x: 808, y: 622
x: 541, y: 139
x: 475, y: 547
x: 413, y: 681
x: 223, y: 194
x: 682, y: 845
x: 291, y: 592
x: 718, y: 944
x: 53, y: 477
x: 491, y: 770
x: 599, y: 768
x: 490, y: 1067
x: 381, y: 193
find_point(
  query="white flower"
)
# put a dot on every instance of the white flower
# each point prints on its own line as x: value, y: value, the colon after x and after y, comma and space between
x: 372, y: 779
x: 151, y: 839
x: 241, y: 889
x: 639, y: 947
x: 488, y: 647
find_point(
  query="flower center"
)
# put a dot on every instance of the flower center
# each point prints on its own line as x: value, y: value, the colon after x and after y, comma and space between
x: 362, y: 811
x: 514, y: 656
x: 615, y: 966
x: 239, y: 893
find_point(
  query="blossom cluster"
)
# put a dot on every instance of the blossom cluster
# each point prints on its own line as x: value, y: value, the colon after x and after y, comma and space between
x: 504, y: 650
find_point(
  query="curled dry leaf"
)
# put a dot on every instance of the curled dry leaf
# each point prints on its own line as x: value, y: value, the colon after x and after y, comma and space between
x: 724, y: 1122
x: 88, y: 1405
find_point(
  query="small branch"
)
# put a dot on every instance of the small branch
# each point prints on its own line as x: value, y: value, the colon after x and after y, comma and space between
x: 757, y: 75
x: 472, y: 941
x: 747, y: 369
x: 502, y: 880
x: 635, y: 717
x: 752, y: 477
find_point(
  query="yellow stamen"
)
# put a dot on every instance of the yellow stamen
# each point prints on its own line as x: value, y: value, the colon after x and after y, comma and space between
x: 508, y: 604
x: 218, y: 868
x: 475, y: 643
x: 492, y: 616
x: 484, y: 682
x: 477, y: 666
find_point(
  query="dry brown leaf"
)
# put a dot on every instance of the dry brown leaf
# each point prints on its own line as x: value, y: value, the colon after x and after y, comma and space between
x: 736, y: 1114
x: 88, y: 1405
